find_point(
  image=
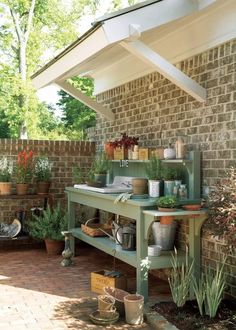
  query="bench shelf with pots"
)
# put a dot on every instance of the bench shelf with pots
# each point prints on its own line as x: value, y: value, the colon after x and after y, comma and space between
x: 191, y: 167
x: 144, y: 212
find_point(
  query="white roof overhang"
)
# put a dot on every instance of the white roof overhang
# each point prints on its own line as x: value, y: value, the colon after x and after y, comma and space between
x: 147, y: 37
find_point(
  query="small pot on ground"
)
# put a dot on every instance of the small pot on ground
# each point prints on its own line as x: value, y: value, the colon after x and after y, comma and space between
x: 54, y: 247
x: 134, y: 308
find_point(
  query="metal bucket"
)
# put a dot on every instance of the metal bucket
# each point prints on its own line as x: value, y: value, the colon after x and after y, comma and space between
x: 164, y: 235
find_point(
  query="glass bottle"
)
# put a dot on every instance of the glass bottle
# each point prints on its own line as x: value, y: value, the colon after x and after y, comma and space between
x: 183, y: 193
x: 180, y: 148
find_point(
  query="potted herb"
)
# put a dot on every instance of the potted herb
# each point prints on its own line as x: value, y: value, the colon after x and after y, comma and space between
x: 167, y: 203
x: 165, y: 229
x: 99, y: 169
x: 48, y: 227
x: 24, y: 171
x: 43, y: 174
x: 154, y: 174
x: 6, y: 170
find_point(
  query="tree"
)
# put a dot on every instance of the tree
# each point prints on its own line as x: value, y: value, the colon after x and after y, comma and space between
x: 77, y: 116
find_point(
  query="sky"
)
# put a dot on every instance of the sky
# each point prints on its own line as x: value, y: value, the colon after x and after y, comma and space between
x: 49, y: 94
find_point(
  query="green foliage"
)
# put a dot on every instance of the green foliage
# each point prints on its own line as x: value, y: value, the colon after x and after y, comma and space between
x: 154, y: 168
x: 167, y: 202
x: 43, y: 169
x: 77, y: 175
x: 169, y: 173
x: 180, y: 279
x: 50, y: 224
x: 215, y: 283
x: 199, y: 289
x: 76, y: 116
x: 101, y: 164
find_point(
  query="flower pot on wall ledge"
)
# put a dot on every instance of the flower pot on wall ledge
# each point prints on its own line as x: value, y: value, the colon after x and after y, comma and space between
x: 43, y: 187
x: 5, y: 188
x: 22, y: 188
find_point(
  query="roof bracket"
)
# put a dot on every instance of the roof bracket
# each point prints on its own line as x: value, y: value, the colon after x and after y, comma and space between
x: 134, y: 32
x: 168, y: 70
x: 68, y: 88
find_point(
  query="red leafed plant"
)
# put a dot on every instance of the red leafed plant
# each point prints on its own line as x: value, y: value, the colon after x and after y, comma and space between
x: 24, y: 168
x: 125, y: 141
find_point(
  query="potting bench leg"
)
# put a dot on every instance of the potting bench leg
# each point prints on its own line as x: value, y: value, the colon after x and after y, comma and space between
x: 142, y: 259
x: 71, y: 224
x: 195, y: 225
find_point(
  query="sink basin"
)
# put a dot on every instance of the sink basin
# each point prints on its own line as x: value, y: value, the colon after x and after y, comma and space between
x: 119, y: 185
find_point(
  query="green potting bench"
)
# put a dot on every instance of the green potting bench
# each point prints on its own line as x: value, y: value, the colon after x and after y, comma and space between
x: 143, y: 211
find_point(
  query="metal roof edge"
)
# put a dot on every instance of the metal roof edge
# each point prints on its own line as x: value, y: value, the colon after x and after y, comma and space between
x: 74, y: 44
x: 125, y: 10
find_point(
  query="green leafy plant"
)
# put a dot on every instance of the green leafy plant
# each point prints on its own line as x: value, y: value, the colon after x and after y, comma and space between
x: 180, y: 279
x: 43, y: 169
x: 167, y: 202
x: 154, y: 168
x: 215, y: 283
x: 6, y: 170
x: 50, y: 224
x: 77, y: 175
x: 101, y: 164
x: 199, y: 289
x: 169, y: 173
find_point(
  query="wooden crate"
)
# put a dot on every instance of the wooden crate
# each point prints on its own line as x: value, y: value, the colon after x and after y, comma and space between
x: 99, y: 281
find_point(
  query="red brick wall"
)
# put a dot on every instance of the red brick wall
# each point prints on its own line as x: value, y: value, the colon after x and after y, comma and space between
x: 63, y: 155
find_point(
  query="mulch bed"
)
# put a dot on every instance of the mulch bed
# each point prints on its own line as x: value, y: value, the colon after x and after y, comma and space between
x: 188, y: 317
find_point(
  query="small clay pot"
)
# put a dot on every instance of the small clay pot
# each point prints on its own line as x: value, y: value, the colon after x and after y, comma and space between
x: 140, y: 186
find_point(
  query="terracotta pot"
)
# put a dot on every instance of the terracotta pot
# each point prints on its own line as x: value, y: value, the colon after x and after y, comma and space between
x: 54, y: 247
x: 166, y: 220
x: 5, y: 188
x: 22, y: 188
x: 140, y: 186
x: 43, y: 187
x: 109, y: 151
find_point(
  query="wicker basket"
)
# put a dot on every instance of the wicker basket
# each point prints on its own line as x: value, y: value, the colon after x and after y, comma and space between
x: 93, y: 229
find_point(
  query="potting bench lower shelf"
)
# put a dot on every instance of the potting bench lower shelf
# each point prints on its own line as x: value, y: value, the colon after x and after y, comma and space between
x: 144, y: 213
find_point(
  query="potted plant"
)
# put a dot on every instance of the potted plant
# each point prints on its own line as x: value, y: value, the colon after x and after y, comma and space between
x: 6, y: 170
x: 165, y: 229
x: 124, y: 145
x: 169, y: 174
x: 43, y: 174
x: 24, y: 171
x: 100, y: 168
x: 48, y: 227
x: 154, y: 174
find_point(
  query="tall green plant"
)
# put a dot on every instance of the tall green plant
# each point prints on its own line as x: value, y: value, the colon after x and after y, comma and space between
x: 101, y: 164
x: 154, y: 168
x: 215, y: 285
x: 199, y: 289
x: 180, y: 279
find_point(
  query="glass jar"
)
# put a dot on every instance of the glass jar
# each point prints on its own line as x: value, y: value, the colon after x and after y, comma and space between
x: 183, y: 193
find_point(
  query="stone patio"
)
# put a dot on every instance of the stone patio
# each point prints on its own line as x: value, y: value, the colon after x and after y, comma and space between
x: 38, y: 294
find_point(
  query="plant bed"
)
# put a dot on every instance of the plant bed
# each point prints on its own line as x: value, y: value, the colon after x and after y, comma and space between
x: 188, y: 316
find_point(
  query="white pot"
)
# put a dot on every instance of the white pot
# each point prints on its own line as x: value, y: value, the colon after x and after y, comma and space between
x: 169, y: 153
x: 154, y: 188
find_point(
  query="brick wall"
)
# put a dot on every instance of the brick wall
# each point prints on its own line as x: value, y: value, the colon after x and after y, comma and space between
x: 157, y: 111
x: 63, y: 155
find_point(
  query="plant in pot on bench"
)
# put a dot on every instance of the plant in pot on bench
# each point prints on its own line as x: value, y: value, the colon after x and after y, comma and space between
x: 99, y: 170
x: 164, y: 230
x: 48, y: 227
x: 154, y: 174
